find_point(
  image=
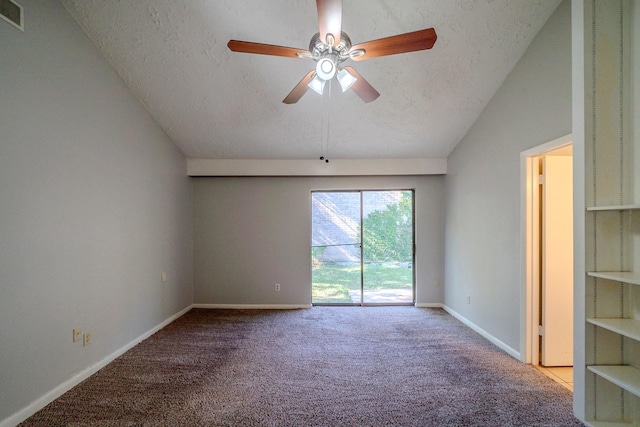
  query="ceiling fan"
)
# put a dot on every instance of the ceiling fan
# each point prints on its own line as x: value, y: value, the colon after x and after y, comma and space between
x: 331, y: 47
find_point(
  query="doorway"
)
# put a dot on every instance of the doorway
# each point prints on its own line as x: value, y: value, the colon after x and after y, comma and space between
x: 548, y: 242
x: 556, y: 259
x: 362, y: 247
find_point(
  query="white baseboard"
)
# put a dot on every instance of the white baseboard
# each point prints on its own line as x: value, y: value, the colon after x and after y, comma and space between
x: 58, y: 391
x: 253, y: 307
x: 429, y: 305
x: 512, y: 352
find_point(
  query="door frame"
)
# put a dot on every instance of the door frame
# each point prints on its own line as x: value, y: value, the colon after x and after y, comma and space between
x: 413, y: 240
x: 530, y: 246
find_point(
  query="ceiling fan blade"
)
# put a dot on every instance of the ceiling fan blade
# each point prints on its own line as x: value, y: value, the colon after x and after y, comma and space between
x: 330, y: 19
x: 300, y: 89
x: 362, y: 88
x: 264, y: 49
x: 402, y: 43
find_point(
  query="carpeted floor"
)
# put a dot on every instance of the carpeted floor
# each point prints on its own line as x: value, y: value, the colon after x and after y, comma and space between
x: 325, y: 366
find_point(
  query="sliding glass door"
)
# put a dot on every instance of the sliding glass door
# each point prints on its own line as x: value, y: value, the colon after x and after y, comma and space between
x: 362, y: 247
x: 387, y: 246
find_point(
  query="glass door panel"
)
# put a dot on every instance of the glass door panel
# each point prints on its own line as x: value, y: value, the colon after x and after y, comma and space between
x: 336, y: 257
x: 362, y: 247
x: 387, y: 241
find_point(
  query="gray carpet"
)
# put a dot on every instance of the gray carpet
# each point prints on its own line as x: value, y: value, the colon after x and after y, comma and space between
x: 325, y: 366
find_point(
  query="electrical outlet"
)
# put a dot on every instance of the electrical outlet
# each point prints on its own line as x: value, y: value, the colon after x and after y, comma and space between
x: 277, y: 287
x: 86, y: 339
x: 437, y: 283
x: 163, y: 276
x: 468, y: 299
x: 77, y: 332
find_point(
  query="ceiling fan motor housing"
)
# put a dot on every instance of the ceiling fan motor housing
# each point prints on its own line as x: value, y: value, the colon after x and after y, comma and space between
x: 328, y: 57
x: 319, y: 47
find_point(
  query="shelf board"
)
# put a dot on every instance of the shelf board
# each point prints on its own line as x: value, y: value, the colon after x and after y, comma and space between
x: 608, y: 423
x: 614, y: 208
x: 632, y: 277
x: 624, y: 376
x: 627, y: 327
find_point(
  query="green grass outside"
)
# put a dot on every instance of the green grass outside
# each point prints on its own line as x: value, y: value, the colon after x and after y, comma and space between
x: 332, y: 282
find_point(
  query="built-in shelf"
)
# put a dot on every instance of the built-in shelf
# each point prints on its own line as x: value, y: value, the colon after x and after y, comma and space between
x: 610, y: 394
x: 624, y: 376
x: 627, y: 327
x: 632, y: 277
x: 608, y: 424
x: 614, y: 208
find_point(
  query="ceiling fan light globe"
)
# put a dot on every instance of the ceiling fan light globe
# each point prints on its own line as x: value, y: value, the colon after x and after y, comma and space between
x: 317, y: 84
x: 346, y: 80
x: 326, y: 68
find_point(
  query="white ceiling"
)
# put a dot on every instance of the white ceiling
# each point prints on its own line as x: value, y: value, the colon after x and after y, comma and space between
x: 218, y: 104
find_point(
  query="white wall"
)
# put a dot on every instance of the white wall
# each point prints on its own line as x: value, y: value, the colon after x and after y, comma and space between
x: 250, y: 233
x: 532, y: 107
x: 94, y: 204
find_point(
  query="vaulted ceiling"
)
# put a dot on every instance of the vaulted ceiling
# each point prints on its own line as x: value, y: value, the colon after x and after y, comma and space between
x: 218, y: 104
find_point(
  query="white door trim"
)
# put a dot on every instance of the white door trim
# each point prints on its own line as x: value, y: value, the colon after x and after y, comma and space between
x: 529, y: 225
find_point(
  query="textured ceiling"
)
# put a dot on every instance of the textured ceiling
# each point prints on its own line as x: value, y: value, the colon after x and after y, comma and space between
x: 215, y: 103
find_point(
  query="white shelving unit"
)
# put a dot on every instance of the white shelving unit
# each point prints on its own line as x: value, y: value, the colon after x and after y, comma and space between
x: 612, y: 219
x: 613, y: 322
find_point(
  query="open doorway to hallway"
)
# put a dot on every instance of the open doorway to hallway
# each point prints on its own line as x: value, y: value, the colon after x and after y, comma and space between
x: 548, y: 235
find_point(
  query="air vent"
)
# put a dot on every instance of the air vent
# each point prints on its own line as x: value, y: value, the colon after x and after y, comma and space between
x: 12, y: 12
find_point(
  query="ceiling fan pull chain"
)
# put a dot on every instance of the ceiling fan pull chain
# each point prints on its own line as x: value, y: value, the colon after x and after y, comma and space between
x: 328, y: 127
x: 324, y: 122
